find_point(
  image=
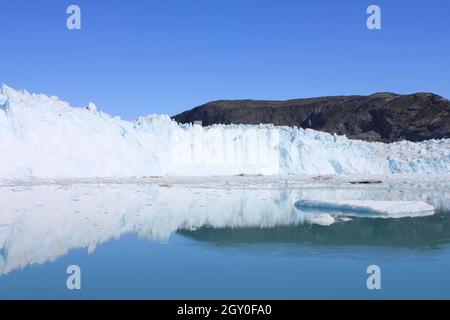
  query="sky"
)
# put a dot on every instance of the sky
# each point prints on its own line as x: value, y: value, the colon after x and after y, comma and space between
x: 138, y: 57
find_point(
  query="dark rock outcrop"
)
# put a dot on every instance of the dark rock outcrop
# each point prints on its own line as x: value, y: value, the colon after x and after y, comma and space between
x: 385, y: 117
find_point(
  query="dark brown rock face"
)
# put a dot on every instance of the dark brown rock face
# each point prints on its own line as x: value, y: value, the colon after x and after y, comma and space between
x: 385, y: 117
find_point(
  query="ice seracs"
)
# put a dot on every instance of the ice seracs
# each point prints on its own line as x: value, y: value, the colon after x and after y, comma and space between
x: 3, y: 98
x: 92, y: 107
x: 43, y: 137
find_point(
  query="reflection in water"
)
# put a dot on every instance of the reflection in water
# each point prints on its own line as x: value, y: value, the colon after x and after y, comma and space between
x: 426, y: 232
x: 39, y: 223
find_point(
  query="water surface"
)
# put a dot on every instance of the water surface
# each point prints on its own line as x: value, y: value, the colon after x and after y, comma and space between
x: 228, y: 241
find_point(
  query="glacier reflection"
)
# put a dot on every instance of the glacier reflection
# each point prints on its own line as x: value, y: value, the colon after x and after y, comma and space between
x: 426, y: 232
x: 39, y: 223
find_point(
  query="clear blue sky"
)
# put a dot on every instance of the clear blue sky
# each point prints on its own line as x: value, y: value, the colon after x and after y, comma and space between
x: 141, y: 56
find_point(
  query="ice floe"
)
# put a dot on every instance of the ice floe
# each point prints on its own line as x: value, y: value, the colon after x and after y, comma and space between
x: 368, y: 208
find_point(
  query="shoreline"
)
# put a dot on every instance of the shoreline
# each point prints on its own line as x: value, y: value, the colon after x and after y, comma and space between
x: 237, y: 180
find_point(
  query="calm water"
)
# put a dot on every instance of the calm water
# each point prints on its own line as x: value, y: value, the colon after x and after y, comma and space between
x: 186, y: 242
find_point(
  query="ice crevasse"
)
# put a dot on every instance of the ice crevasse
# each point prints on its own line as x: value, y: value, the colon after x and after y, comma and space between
x: 44, y: 137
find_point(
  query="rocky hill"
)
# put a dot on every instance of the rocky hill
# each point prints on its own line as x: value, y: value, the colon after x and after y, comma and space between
x: 385, y: 117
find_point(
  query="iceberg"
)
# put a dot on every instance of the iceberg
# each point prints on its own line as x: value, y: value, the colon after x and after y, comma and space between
x: 368, y: 208
x: 44, y: 137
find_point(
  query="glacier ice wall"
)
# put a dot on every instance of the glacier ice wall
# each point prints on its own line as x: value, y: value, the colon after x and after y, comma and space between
x: 44, y: 137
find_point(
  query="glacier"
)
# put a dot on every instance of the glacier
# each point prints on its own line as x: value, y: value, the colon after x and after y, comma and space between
x: 44, y: 137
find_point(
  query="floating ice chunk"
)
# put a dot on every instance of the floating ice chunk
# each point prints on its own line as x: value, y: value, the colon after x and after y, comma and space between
x: 320, y: 219
x: 367, y: 208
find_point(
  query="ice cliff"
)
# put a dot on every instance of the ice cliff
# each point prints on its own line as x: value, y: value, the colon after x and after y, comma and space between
x: 44, y: 137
